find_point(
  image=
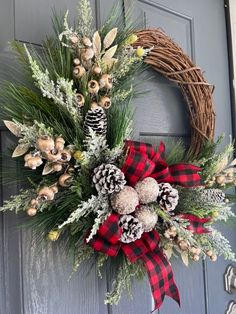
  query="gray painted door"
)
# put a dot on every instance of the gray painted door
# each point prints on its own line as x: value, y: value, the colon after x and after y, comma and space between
x: 34, y: 281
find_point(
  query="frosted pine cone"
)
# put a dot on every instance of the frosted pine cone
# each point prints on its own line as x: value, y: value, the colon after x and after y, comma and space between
x: 168, y: 197
x: 215, y: 196
x: 132, y: 229
x: 96, y: 120
x: 108, y: 179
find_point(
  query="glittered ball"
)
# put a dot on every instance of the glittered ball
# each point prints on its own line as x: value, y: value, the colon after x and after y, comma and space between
x: 125, y: 201
x: 147, y: 217
x: 147, y: 190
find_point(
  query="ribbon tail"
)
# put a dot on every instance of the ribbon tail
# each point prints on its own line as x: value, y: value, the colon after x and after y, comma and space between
x: 161, y: 277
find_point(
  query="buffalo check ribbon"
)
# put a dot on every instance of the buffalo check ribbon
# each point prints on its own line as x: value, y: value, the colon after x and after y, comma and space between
x: 142, y: 161
x: 196, y: 224
x: 147, y: 249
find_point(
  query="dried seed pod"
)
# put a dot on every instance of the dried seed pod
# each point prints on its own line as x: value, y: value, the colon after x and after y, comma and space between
x: 196, y: 258
x: 74, y: 39
x: 34, y: 162
x: 31, y: 211
x: 105, y: 102
x: 54, y: 188
x: 80, y: 100
x: 27, y: 157
x: 87, y: 42
x: 105, y: 81
x: 65, y: 180
x: 46, y: 194
x: 220, y: 180
x: 87, y: 54
x: 93, y: 87
x: 45, y: 143
x: 183, y: 245
x: 79, y: 71
x: 65, y: 155
x: 209, y: 253
x: 34, y: 203
x: 53, y: 157
x: 96, y: 70
x: 59, y: 143
x: 76, y: 61
x: 57, y: 167
x: 213, y: 258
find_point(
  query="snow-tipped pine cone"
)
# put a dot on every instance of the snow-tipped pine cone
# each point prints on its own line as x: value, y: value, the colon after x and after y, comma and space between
x: 168, y: 197
x: 96, y: 120
x: 131, y: 227
x: 108, y: 179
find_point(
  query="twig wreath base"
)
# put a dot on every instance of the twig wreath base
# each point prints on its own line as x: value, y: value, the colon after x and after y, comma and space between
x: 167, y: 58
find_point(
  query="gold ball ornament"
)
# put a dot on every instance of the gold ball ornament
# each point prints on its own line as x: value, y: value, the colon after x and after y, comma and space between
x: 31, y: 211
x: 140, y: 52
x: 79, y: 71
x: 105, y: 102
x: 45, y: 144
x: 148, y: 190
x: 147, y: 217
x: 65, y: 180
x: 125, y: 201
x: 46, y: 194
x: 93, y: 87
x: 53, y: 235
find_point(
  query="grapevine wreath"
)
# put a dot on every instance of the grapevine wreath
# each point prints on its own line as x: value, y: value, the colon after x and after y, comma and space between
x: 113, y: 199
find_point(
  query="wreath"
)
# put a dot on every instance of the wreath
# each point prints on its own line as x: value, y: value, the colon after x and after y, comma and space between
x: 86, y: 181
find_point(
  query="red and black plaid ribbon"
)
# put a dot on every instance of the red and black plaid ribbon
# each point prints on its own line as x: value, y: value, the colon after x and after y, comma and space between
x: 142, y: 161
x: 147, y: 249
x: 196, y: 224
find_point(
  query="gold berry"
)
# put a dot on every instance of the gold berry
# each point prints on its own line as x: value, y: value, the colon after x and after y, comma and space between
x: 131, y: 39
x: 87, y: 54
x: 34, y: 202
x: 78, y: 155
x: 209, y: 253
x: 183, y: 245
x: 64, y: 180
x: 76, y: 61
x: 213, y: 258
x: 74, y: 39
x: 97, y: 70
x: 140, y: 52
x: 87, y: 42
x: 54, y: 188
x: 196, y: 258
x: 53, y: 235
x: 220, y: 180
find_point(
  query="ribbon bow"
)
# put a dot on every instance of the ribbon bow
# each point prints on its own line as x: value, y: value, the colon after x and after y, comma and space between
x: 142, y: 161
x: 196, y: 224
x: 147, y: 249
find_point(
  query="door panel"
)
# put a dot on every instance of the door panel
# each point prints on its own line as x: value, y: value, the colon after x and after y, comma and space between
x: 34, y: 280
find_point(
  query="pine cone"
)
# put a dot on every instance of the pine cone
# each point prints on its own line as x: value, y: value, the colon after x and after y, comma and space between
x: 132, y: 229
x: 215, y: 196
x: 96, y: 120
x: 108, y: 179
x: 168, y: 197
